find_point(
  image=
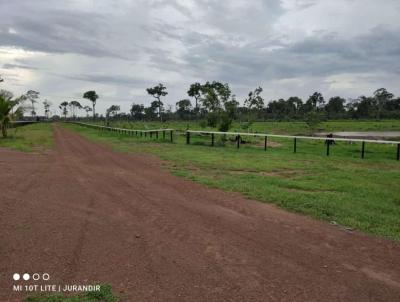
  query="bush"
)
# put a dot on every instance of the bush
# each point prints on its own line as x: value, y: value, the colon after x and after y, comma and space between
x: 313, y: 119
x: 225, y: 123
x: 212, y: 119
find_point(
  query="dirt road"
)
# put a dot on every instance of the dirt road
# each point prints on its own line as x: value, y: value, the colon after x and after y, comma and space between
x: 85, y: 214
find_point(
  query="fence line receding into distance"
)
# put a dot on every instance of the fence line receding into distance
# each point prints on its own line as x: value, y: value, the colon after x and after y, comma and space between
x: 239, y: 135
x: 132, y: 132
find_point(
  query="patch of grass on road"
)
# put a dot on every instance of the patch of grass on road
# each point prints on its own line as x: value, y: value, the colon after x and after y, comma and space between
x: 341, y: 188
x: 29, y: 138
x: 104, y: 295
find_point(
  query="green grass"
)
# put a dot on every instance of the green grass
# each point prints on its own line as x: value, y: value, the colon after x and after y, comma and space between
x: 298, y: 128
x: 104, y: 295
x: 360, y: 194
x: 29, y: 138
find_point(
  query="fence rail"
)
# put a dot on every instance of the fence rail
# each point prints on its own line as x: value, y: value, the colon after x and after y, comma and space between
x: 239, y: 135
x: 15, y: 124
x: 328, y: 140
x: 296, y: 136
x: 136, y: 132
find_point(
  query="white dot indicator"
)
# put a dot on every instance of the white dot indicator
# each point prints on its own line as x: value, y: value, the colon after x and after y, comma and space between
x: 26, y: 277
x: 16, y: 277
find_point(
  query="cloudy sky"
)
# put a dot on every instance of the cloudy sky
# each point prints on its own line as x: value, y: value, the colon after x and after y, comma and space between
x: 118, y: 48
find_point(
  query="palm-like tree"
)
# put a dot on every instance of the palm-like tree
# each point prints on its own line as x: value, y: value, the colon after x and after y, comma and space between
x: 32, y: 96
x: 92, y: 96
x: 6, y: 106
x: 63, y: 107
x: 87, y: 109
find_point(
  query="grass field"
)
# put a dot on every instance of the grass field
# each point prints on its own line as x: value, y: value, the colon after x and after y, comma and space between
x: 342, y: 189
x: 29, y: 138
x: 298, y: 128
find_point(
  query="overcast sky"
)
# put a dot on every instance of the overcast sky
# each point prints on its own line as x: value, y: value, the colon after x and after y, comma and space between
x: 119, y: 48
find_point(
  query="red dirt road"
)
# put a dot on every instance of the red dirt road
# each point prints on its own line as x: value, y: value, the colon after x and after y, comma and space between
x: 85, y: 214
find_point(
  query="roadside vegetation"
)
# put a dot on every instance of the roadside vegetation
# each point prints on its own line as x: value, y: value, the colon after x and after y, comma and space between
x: 29, y: 138
x: 341, y: 189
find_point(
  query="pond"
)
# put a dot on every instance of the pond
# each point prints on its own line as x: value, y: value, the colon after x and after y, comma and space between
x: 364, y: 134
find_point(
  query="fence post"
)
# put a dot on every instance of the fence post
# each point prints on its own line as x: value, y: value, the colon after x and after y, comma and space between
x: 187, y: 137
x: 156, y: 134
x: 265, y: 143
x: 212, y: 139
x: 151, y: 134
x: 398, y: 151
x: 172, y: 136
x: 145, y: 134
x: 363, y: 150
x: 238, y: 141
x: 327, y: 148
x: 295, y: 145
x: 163, y: 134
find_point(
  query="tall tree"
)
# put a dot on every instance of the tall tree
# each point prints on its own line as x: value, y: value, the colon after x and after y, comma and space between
x: 32, y: 96
x: 111, y: 111
x: 365, y: 107
x: 231, y: 108
x: 137, y: 111
x: 150, y: 112
x: 92, y: 96
x: 296, y: 102
x: 335, y: 107
x: 183, y: 108
x: 46, y: 105
x: 87, y: 109
x: 214, y: 95
x: 280, y: 109
x: 195, y: 92
x: 157, y: 92
x: 314, y: 102
x: 63, y: 107
x: 382, y: 96
x: 255, y: 100
x: 74, y: 105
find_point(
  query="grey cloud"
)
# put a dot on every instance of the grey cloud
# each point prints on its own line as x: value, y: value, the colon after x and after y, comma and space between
x: 15, y: 66
x: 378, y: 50
x: 41, y: 27
x: 105, y: 79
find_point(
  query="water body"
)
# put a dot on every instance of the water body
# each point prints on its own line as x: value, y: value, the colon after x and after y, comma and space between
x: 365, y: 134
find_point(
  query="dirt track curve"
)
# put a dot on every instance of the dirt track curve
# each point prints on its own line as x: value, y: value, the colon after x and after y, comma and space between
x: 86, y: 214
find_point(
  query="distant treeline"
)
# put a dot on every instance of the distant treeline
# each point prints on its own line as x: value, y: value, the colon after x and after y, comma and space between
x: 214, y: 103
